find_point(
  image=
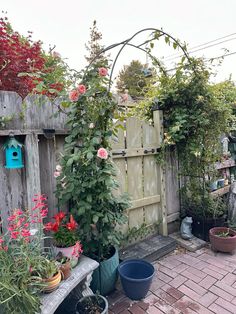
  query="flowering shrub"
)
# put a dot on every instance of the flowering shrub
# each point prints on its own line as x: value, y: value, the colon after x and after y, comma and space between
x: 25, y: 67
x: 87, y: 177
x: 65, y: 232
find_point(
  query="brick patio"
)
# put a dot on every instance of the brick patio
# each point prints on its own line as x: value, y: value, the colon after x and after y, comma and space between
x: 186, y: 283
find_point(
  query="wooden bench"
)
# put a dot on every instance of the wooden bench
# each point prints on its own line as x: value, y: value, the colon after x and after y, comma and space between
x: 79, y: 280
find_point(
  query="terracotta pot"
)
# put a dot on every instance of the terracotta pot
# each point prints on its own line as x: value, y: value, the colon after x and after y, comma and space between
x: 66, y: 270
x: 222, y: 244
x: 67, y: 251
x: 52, y: 283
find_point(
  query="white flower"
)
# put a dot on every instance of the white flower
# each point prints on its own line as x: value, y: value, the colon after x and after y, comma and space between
x: 58, y: 168
x: 91, y: 125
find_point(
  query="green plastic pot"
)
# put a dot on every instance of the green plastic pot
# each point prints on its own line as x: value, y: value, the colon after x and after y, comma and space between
x: 109, y: 274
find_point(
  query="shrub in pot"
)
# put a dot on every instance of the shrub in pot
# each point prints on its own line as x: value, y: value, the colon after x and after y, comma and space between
x: 87, y: 178
x: 207, y: 211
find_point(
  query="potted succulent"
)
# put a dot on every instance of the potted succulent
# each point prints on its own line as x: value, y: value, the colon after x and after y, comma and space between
x: 92, y: 304
x: 65, y: 235
x: 223, y: 239
x: 87, y: 177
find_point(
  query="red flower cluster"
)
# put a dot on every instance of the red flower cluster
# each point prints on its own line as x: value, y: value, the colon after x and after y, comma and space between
x: 54, y: 226
x: 20, y: 221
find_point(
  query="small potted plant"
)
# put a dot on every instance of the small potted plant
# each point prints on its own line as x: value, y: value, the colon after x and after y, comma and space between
x: 64, y: 265
x: 92, y: 304
x: 223, y: 239
x: 48, y: 271
x: 65, y: 234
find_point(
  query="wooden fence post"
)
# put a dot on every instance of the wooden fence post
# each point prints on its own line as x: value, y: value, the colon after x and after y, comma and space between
x: 158, y: 124
x: 32, y: 167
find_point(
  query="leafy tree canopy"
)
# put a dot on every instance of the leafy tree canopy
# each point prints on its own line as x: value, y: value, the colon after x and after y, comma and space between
x: 135, y: 78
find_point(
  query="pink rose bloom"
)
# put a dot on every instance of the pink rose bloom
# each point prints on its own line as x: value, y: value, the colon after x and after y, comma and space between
x: 74, y: 95
x: 57, y: 174
x: 102, y: 153
x: 102, y: 71
x: 82, y: 89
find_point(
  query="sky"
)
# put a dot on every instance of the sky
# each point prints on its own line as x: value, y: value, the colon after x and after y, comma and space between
x: 66, y: 24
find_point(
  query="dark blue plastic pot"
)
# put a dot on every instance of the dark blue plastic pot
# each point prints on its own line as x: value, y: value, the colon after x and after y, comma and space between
x: 136, y: 277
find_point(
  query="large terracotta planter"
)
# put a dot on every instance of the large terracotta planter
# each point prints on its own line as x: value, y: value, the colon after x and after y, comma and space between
x: 67, y: 251
x: 222, y: 244
x: 52, y: 283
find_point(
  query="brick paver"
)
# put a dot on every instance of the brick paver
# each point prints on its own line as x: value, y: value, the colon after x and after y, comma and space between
x: 200, y: 282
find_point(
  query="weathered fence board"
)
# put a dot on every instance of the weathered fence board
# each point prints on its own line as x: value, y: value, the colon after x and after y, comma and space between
x: 30, y: 117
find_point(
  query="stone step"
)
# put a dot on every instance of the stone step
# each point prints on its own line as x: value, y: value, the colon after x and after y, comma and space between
x: 191, y: 245
x: 149, y: 249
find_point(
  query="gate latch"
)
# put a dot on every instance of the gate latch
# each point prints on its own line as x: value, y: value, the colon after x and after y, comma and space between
x: 123, y: 153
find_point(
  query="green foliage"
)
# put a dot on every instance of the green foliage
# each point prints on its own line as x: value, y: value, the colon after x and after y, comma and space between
x: 4, y: 120
x: 133, y: 79
x: 18, y: 289
x: 23, y: 261
x: 197, y: 201
x: 196, y: 113
x: 87, y: 181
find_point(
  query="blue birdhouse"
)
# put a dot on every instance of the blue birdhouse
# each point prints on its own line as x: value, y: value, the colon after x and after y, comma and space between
x: 13, y: 151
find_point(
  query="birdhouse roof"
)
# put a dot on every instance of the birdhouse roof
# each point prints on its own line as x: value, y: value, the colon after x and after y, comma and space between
x: 12, y: 142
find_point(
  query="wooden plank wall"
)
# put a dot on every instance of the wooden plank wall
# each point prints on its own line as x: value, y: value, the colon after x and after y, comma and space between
x: 41, y: 155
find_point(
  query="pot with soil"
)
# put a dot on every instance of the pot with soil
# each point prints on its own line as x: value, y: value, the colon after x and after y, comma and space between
x: 222, y: 239
x: 92, y: 304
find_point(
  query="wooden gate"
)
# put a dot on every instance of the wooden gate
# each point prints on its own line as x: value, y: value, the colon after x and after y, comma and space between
x: 140, y: 175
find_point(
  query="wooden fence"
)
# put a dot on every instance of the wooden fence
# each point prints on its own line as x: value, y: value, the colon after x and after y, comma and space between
x: 133, y: 153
